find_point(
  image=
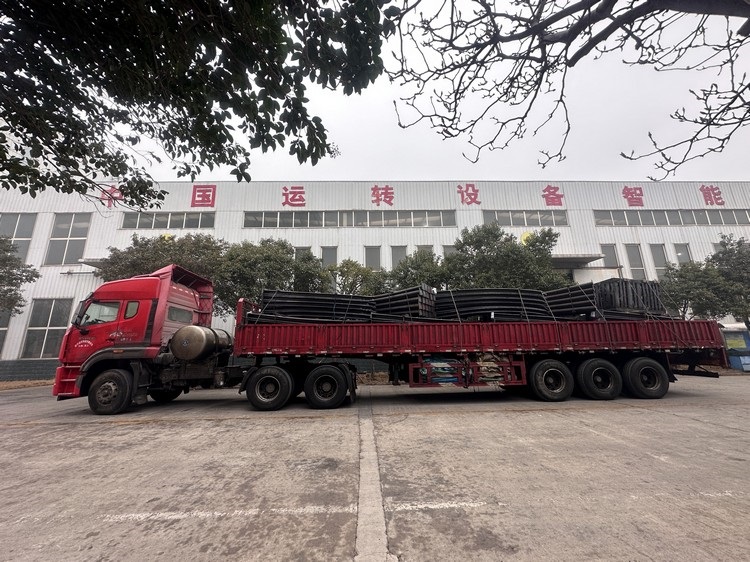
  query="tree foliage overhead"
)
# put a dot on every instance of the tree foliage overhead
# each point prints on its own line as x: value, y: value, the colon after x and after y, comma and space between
x: 13, y: 274
x: 423, y: 266
x: 82, y: 83
x: 716, y: 287
x: 493, y: 71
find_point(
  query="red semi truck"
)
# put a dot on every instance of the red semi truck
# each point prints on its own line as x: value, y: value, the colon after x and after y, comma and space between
x: 151, y: 335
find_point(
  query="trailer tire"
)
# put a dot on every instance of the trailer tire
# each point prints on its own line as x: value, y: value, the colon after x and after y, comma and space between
x: 599, y: 379
x: 325, y: 387
x: 644, y: 377
x: 163, y: 396
x: 269, y: 388
x: 111, y: 392
x: 551, y: 380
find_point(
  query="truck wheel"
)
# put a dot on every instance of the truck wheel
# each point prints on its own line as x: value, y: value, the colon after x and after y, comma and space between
x: 599, y: 379
x: 163, y: 396
x: 644, y: 377
x: 551, y: 380
x: 269, y: 388
x: 111, y: 392
x: 325, y: 387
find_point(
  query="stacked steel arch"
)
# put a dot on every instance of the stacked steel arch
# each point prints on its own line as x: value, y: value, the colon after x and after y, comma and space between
x: 613, y: 299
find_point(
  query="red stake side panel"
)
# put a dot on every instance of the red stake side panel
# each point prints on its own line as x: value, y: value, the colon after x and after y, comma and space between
x: 369, y: 339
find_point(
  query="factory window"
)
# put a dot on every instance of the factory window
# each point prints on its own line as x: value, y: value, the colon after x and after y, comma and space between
x: 526, y: 218
x: 18, y: 227
x: 398, y: 253
x: 68, y: 239
x: 372, y: 257
x: 329, y: 219
x: 659, y: 255
x: 682, y: 251
x: 4, y: 321
x: 425, y: 247
x: 666, y: 217
x: 164, y: 221
x: 329, y: 255
x: 635, y: 261
x: 448, y: 250
x: 610, y: 255
x: 47, y: 324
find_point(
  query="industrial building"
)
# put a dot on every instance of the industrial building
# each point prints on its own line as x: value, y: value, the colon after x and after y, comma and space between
x: 628, y: 229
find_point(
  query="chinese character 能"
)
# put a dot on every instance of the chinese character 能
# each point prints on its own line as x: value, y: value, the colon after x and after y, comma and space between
x: 711, y: 195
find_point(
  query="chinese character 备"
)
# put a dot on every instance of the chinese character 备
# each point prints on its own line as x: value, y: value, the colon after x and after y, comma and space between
x: 383, y: 194
x: 294, y: 196
x: 203, y: 196
x: 633, y: 195
x: 552, y: 196
x: 711, y: 195
x: 469, y: 194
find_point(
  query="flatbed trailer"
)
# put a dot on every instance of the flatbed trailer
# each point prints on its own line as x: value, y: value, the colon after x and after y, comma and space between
x: 151, y: 336
x: 598, y: 356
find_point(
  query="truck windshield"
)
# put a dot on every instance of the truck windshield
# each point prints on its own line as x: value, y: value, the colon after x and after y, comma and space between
x: 100, y: 312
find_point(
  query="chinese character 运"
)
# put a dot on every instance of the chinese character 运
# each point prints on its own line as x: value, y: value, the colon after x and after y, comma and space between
x: 294, y: 196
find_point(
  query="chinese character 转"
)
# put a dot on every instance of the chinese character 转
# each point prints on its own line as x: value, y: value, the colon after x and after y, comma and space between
x: 383, y: 194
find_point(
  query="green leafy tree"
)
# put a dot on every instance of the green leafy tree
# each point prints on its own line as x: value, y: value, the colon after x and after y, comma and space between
x: 247, y: 269
x: 696, y: 289
x: 716, y: 287
x: 353, y: 278
x: 200, y: 253
x: 733, y: 262
x: 487, y: 256
x: 13, y: 275
x: 83, y: 83
x: 423, y: 266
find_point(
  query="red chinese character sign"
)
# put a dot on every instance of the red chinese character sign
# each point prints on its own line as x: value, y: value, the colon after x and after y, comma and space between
x: 552, y: 196
x: 711, y: 195
x: 633, y: 195
x: 469, y: 194
x: 203, y: 196
x: 293, y: 196
x: 383, y: 194
x: 111, y: 195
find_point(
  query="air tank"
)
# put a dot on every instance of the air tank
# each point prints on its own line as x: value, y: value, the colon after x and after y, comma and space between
x: 193, y: 343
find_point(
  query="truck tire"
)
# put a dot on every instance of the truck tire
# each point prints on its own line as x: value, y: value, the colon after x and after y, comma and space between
x: 111, y: 392
x: 599, y: 379
x: 644, y: 377
x: 269, y: 388
x: 325, y: 387
x: 163, y: 396
x: 551, y: 380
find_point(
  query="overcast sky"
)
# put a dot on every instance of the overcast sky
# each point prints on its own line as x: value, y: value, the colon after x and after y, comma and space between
x: 612, y: 108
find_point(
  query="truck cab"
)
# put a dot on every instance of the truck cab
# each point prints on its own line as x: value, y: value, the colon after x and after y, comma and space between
x: 118, y: 343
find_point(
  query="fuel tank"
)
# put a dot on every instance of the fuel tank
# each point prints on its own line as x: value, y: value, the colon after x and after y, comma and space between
x: 193, y: 343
